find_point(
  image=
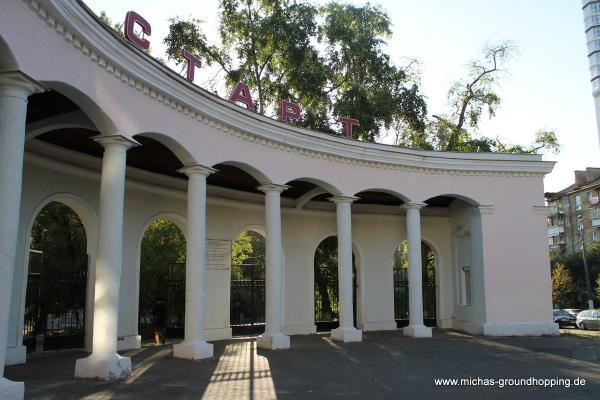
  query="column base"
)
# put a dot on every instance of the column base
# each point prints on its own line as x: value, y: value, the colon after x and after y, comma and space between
x: 419, y: 331
x: 10, y: 390
x: 347, y: 334
x: 193, y: 350
x: 129, y: 342
x: 273, y: 341
x: 16, y: 355
x: 108, y: 367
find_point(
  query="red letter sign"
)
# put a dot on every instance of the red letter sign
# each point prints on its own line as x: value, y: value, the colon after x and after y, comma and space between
x: 348, y: 123
x: 193, y: 62
x: 241, y: 93
x: 289, y: 111
x: 131, y: 19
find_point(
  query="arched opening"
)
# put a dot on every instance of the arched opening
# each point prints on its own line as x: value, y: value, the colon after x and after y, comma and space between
x: 401, y: 288
x: 162, y: 279
x: 55, y: 301
x: 247, y: 291
x: 326, y: 285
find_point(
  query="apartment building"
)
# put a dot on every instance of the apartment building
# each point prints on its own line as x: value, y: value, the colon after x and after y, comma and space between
x: 575, y: 212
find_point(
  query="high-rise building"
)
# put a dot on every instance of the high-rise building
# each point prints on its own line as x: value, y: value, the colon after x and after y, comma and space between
x: 575, y: 212
x: 591, y: 16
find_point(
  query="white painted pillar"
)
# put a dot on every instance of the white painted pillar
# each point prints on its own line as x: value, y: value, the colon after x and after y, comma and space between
x: 273, y: 338
x: 415, y: 327
x: 346, y: 331
x: 15, y: 88
x: 104, y: 362
x: 194, y: 346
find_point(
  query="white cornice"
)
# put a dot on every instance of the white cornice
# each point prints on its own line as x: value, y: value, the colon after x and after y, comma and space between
x: 134, y: 68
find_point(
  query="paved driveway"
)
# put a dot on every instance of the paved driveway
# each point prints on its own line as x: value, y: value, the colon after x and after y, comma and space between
x: 386, y: 365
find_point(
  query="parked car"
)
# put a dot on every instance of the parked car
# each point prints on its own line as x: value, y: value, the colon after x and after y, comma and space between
x: 573, y: 311
x: 588, y: 319
x: 563, y: 318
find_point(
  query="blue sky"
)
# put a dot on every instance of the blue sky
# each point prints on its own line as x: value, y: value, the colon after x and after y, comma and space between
x: 548, y: 86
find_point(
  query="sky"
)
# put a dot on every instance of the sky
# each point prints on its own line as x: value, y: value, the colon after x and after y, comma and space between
x: 547, y: 87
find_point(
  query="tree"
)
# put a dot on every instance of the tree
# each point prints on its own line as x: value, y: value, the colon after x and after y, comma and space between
x: 330, y: 59
x: 470, y: 99
x: 573, y: 262
x: 563, y: 288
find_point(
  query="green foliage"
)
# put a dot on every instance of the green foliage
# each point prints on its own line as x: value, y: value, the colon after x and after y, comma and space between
x: 427, y: 258
x: 117, y: 26
x: 330, y: 59
x: 573, y: 263
x: 470, y: 99
x: 59, y: 240
x: 326, y: 280
x: 248, y: 248
x: 58, y: 230
x: 163, y: 254
x: 563, y: 289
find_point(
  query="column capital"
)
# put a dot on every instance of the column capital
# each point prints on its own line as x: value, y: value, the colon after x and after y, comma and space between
x: 20, y: 84
x: 197, y: 169
x: 272, y: 187
x: 343, y: 199
x: 117, y: 140
x: 413, y: 206
x: 483, y: 209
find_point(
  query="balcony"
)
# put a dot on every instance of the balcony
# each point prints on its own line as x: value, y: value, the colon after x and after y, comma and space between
x: 596, y: 222
x: 557, y: 247
x: 555, y: 211
x: 555, y: 230
x: 594, y: 200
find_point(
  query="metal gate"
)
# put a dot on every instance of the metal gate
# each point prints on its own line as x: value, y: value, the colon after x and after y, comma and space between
x: 247, y: 310
x: 327, y: 297
x: 55, y: 301
x: 401, y: 296
x: 171, y: 287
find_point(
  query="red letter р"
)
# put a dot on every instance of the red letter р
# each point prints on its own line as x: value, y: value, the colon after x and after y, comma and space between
x: 241, y: 93
x: 348, y: 123
x: 131, y: 19
x: 193, y: 62
x: 289, y: 111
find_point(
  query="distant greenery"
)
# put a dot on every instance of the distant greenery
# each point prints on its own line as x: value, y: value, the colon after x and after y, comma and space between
x: 162, y: 272
x: 573, y: 264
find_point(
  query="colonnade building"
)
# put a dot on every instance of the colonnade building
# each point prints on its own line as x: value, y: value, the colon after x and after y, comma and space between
x: 90, y: 121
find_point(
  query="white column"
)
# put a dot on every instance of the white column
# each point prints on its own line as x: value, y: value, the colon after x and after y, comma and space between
x: 15, y: 87
x: 273, y: 338
x: 415, y: 327
x: 104, y: 362
x: 194, y: 346
x: 346, y: 331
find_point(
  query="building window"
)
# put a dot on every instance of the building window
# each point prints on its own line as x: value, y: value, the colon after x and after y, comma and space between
x: 567, y: 221
x: 595, y: 234
x: 466, y: 285
x: 578, y: 203
x: 566, y: 203
x: 595, y: 213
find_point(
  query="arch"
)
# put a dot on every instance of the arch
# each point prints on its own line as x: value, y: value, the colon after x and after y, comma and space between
x: 250, y: 170
x: 86, y: 213
x: 89, y: 220
x: 328, y: 187
x: 8, y: 62
x: 360, y: 276
x: 387, y: 191
x: 173, y: 145
x: 75, y: 119
x: 260, y: 229
x: 464, y: 198
x: 92, y: 110
x: 180, y: 222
